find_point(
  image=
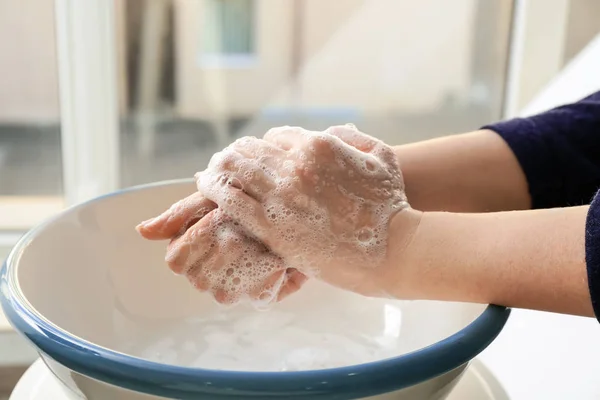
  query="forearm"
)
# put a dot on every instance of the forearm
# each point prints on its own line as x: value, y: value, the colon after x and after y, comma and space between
x: 524, y: 259
x: 472, y: 172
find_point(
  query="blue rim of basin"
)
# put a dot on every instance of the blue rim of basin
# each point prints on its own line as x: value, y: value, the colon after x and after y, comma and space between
x: 171, y: 381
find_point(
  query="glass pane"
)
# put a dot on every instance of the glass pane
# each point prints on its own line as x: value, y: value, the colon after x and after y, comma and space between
x: 202, y: 73
x: 228, y: 27
x: 30, y: 154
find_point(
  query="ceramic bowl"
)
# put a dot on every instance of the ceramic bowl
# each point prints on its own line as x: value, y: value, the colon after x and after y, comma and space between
x: 112, y: 322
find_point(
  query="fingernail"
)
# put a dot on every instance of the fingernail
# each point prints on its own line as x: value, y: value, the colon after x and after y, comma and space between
x: 153, y: 222
x: 146, y: 223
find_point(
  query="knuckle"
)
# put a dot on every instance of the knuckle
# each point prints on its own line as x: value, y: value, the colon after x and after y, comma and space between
x: 339, y: 130
x: 319, y: 144
x: 224, y: 160
x: 274, y: 132
x: 201, y: 283
x: 244, y: 141
x: 229, y: 239
x: 220, y: 218
x: 228, y: 243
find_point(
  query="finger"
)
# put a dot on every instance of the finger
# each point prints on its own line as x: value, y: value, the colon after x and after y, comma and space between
x: 268, y: 290
x: 200, y: 282
x: 194, y: 247
x: 286, y: 137
x: 245, y: 148
x: 294, y: 281
x: 177, y: 218
x: 330, y: 150
x: 252, y: 178
x: 365, y: 143
x: 353, y: 137
x: 224, y: 296
x: 234, y: 169
x: 259, y: 154
x: 263, y: 292
x: 240, y: 206
x: 252, y: 147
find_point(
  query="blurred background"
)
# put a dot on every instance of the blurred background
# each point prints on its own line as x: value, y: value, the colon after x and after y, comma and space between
x: 96, y: 95
x: 193, y: 75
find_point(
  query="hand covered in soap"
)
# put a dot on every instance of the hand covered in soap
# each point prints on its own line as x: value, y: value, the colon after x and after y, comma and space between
x: 322, y: 201
x: 214, y: 253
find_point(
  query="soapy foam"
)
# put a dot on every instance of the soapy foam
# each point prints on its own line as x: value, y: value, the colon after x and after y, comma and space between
x: 311, y: 199
x: 220, y: 257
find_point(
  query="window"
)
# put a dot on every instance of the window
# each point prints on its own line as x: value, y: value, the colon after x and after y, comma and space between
x: 183, y: 90
x: 228, y: 32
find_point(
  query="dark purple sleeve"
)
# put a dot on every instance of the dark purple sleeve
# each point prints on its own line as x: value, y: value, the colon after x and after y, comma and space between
x: 592, y: 253
x: 559, y: 151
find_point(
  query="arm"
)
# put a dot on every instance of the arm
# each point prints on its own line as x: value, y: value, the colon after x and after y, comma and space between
x: 534, y: 259
x: 472, y: 172
x: 547, y: 160
x: 547, y: 259
x: 525, y: 259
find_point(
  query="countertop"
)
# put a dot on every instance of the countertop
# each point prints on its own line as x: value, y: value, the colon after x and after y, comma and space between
x: 547, y: 356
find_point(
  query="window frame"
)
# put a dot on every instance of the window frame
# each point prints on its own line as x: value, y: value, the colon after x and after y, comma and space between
x: 234, y: 60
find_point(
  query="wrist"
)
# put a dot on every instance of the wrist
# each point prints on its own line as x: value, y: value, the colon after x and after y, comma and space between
x: 404, y: 228
x: 427, y: 257
x: 437, y: 261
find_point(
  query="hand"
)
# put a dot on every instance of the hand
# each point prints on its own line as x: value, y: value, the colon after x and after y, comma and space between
x: 322, y: 201
x: 215, y: 255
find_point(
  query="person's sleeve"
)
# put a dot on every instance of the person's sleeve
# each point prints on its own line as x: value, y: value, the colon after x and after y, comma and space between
x: 559, y: 152
x: 592, y: 253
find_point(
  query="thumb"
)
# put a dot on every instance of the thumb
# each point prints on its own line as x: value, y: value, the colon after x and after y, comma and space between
x: 177, y: 219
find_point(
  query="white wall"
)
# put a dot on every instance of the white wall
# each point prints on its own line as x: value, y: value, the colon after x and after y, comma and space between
x: 28, y: 73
